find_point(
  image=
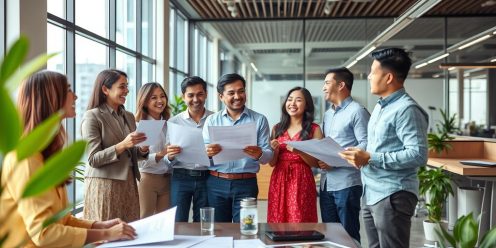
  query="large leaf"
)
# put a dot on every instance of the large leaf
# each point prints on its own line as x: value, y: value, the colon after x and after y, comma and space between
x: 28, y: 69
x: 10, y: 126
x: 40, y: 137
x: 56, y: 169
x: 489, y: 240
x: 14, y: 58
x: 56, y: 217
x: 468, y: 232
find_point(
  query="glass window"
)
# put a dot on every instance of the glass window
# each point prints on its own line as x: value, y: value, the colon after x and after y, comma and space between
x: 172, y: 32
x: 93, y: 15
x: 91, y: 58
x: 172, y: 83
x: 148, y: 25
x: 181, y: 44
x: 147, y: 74
x: 56, y: 7
x: 2, y: 28
x: 126, y: 23
x: 56, y: 44
x: 127, y: 64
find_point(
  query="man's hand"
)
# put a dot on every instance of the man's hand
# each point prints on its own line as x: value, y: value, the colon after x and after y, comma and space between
x: 213, y: 149
x: 172, y: 151
x: 355, y: 156
x: 323, y: 165
x: 254, y: 152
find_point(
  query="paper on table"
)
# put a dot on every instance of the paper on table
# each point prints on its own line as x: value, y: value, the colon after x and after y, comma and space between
x: 180, y: 241
x: 248, y: 243
x: 152, y: 130
x: 191, y: 141
x: 232, y: 139
x: 217, y: 242
x: 153, y: 229
x: 325, y: 150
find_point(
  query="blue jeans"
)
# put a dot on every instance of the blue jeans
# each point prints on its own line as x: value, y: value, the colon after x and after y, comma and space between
x: 342, y: 206
x: 186, y: 188
x: 225, y: 196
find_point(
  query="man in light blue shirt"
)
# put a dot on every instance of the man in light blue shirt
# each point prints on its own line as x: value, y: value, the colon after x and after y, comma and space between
x: 230, y: 182
x: 396, y: 148
x: 189, y: 181
x: 345, y: 122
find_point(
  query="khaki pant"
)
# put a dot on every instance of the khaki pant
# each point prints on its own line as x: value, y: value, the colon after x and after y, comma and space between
x: 154, y: 193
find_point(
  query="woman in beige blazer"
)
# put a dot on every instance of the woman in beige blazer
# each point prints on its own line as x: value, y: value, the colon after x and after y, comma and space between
x: 110, y: 183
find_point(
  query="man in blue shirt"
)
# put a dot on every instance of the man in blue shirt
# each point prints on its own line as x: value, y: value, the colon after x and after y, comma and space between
x: 230, y: 182
x: 397, y: 146
x: 189, y: 181
x: 345, y: 122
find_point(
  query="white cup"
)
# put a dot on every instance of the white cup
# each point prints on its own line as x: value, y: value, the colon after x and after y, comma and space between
x: 207, y: 219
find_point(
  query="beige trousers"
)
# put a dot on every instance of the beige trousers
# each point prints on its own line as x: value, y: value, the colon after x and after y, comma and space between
x: 154, y: 193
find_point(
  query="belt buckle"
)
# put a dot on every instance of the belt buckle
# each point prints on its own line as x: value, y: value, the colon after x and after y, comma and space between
x: 195, y: 173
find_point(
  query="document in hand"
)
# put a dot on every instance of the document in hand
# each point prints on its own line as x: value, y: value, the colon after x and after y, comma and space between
x: 325, y: 150
x: 152, y: 129
x: 232, y: 139
x: 191, y: 142
x: 153, y: 229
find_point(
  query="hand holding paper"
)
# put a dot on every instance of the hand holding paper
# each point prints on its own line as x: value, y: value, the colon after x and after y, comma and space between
x: 325, y: 150
x: 190, y: 143
x: 233, y: 140
x: 152, y: 130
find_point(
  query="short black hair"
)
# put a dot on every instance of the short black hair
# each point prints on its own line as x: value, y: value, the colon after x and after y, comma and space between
x: 342, y: 74
x: 394, y: 59
x: 227, y: 79
x: 192, y: 81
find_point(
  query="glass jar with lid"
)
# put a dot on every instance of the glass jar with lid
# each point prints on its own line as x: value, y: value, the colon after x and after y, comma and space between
x: 248, y: 216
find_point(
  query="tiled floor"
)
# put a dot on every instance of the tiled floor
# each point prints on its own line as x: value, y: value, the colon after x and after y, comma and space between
x: 416, y: 235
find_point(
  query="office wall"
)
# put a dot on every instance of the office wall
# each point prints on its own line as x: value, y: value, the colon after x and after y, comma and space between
x: 266, y: 95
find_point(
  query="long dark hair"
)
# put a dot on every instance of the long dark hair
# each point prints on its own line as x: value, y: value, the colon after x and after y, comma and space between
x: 39, y: 96
x: 144, y: 95
x: 308, y: 115
x: 105, y: 78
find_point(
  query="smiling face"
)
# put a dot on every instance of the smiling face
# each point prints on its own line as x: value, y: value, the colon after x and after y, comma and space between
x: 295, y: 104
x: 156, y: 103
x: 195, y: 97
x: 234, y: 96
x: 70, y: 103
x: 116, y: 95
x: 331, y: 88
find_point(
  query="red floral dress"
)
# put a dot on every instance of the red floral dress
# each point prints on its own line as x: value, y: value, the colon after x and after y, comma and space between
x: 292, y: 192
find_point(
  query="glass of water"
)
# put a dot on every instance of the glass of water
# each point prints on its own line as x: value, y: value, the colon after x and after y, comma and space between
x: 207, y: 219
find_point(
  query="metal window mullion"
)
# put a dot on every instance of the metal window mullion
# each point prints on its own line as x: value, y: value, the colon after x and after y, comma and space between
x: 139, y: 33
x: 112, y: 34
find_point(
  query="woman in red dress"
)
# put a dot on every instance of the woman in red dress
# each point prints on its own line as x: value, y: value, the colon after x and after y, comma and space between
x: 292, y: 193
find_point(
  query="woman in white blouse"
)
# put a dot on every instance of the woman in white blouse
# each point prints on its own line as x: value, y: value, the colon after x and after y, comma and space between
x: 154, y: 186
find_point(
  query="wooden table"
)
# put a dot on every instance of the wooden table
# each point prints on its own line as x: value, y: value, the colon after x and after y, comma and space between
x: 333, y: 232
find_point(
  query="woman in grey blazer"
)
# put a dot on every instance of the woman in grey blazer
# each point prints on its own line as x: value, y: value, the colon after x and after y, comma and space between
x: 110, y: 183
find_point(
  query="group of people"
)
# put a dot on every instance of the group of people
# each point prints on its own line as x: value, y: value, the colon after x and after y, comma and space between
x: 126, y: 181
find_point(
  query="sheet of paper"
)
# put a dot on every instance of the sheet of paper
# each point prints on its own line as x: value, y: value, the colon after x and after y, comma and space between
x: 152, y: 129
x: 217, y: 242
x: 153, y: 229
x: 316, y: 244
x: 232, y: 139
x: 325, y: 150
x: 248, y: 243
x: 180, y: 241
x: 191, y: 141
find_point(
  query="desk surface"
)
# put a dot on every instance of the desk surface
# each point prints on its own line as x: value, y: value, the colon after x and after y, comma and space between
x: 333, y: 232
x: 454, y: 165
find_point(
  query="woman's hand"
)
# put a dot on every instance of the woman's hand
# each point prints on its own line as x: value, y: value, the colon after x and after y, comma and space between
x: 130, y: 141
x: 121, y: 231
x: 106, y: 224
x: 274, y: 144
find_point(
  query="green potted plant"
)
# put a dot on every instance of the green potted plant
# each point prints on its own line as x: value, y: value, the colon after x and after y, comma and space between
x: 466, y: 234
x: 436, y: 185
x: 178, y: 106
x: 437, y: 141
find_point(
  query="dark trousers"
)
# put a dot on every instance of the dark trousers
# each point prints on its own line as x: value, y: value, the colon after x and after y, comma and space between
x: 342, y: 206
x: 225, y: 195
x: 387, y: 223
x: 186, y: 189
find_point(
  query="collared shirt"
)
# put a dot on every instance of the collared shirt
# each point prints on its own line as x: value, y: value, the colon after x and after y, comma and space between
x: 151, y: 165
x: 245, y: 165
x: 347, y: 125
x: 184, y: 119
x: 397, y: 143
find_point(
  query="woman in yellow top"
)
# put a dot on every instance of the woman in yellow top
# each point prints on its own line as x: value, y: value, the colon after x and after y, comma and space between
x: 41, y: 95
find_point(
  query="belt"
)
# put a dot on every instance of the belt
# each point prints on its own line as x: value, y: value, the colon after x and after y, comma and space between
x: 192, y: 173
x: 233, y: 176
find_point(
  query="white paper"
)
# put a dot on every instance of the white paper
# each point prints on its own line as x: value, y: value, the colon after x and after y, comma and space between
x: 248, y: 243
x: 232, y: 139
x: 325, y: 150
x: 152, y: 129
x: 319, y: 244
x: 217, y: 242
x: 153, y: 229
x: 191, y: 142
x: 180, y: 241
